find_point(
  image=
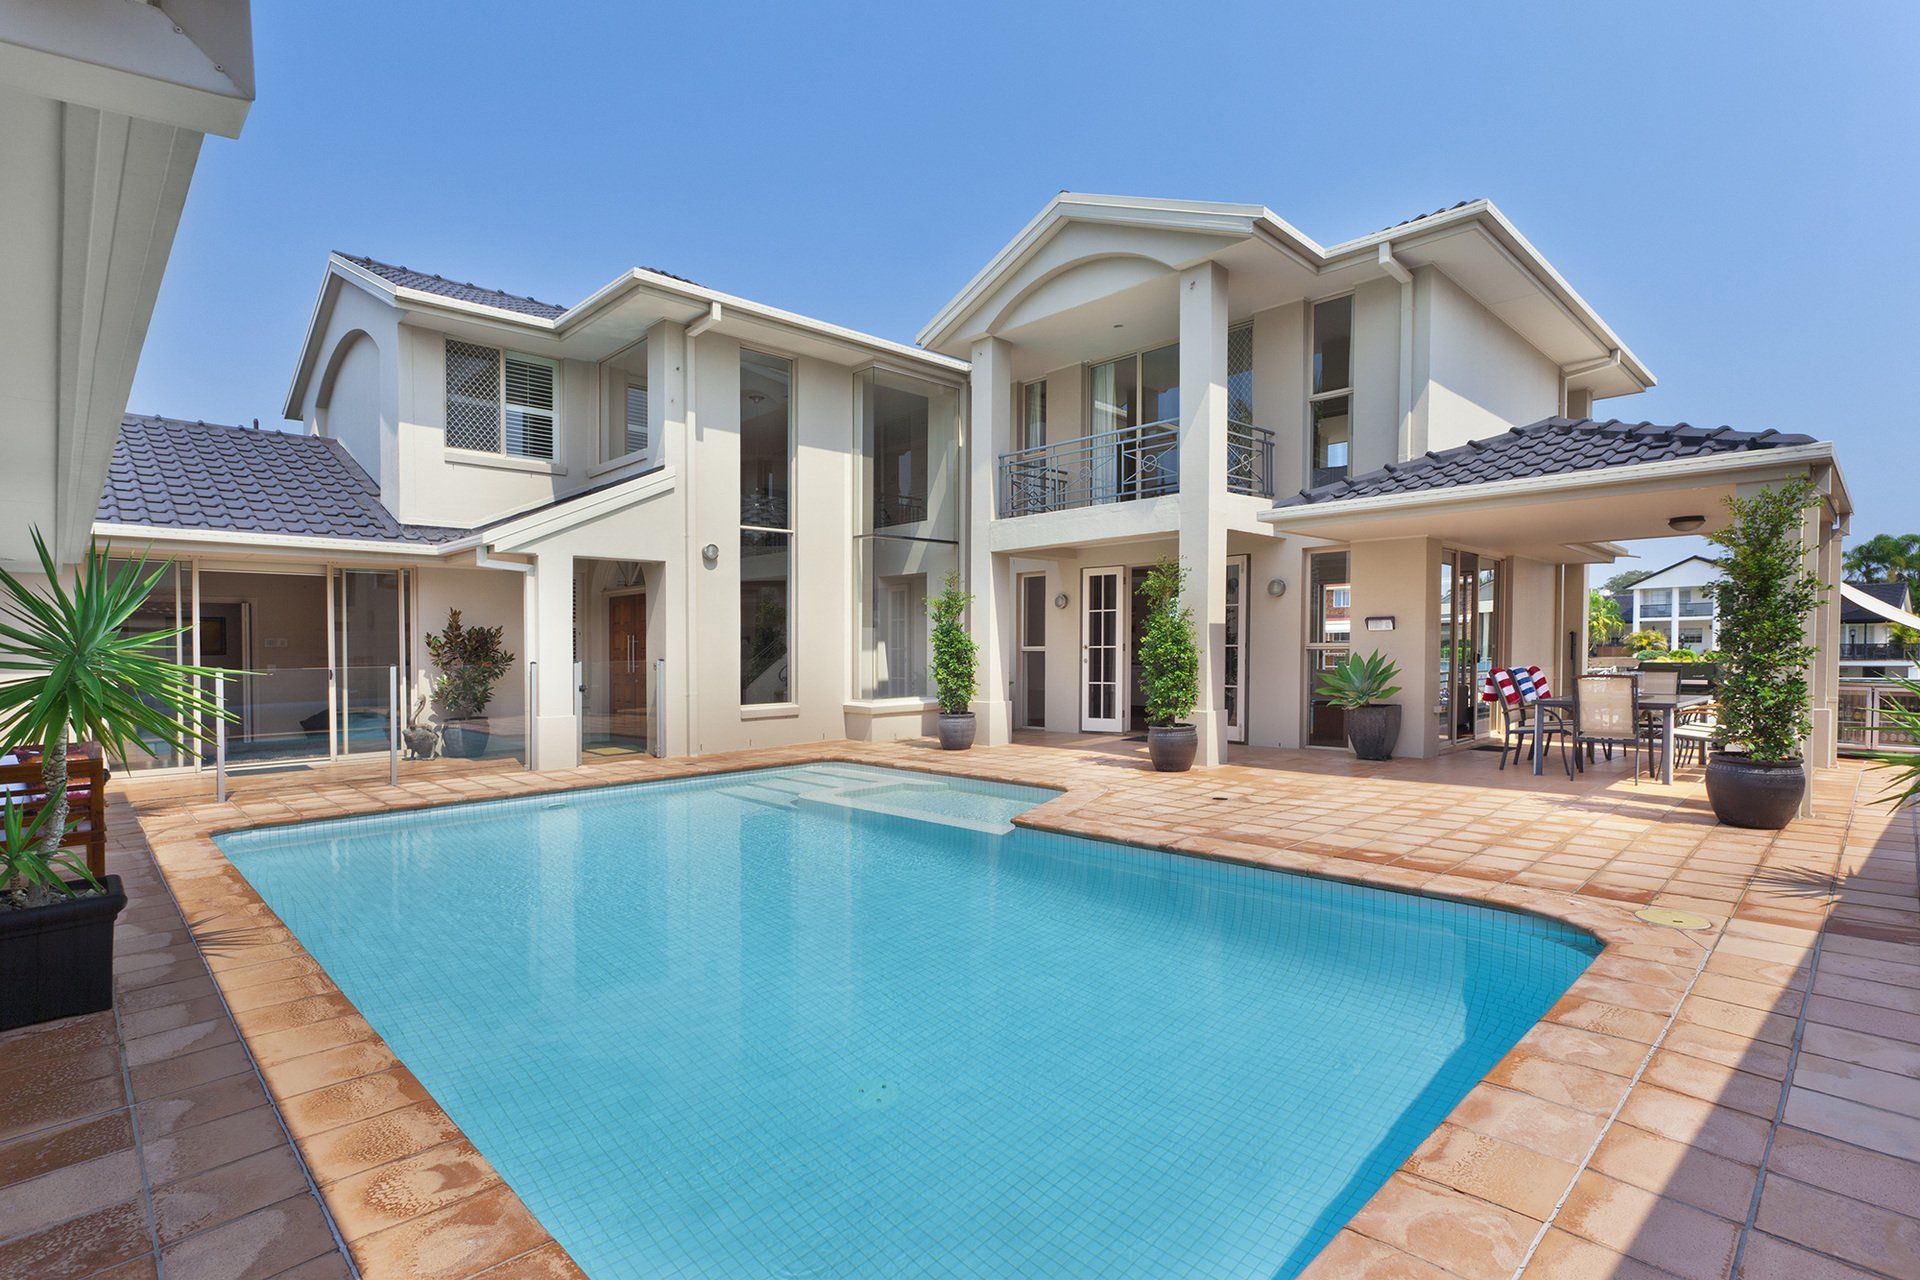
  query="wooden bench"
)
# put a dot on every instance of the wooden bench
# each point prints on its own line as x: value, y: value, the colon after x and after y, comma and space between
x: 87, y: 775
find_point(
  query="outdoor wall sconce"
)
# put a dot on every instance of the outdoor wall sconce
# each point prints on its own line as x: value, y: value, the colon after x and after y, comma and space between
x: 1276, y: 587
x: 1060, y: 601
x: 1380, y: 624
x: 711, y: 554
x: 1686, y: 524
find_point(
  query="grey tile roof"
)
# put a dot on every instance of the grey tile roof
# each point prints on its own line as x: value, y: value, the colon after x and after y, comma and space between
x: 1422, y: 217
x: 1893, y: 593
x: 1552, y: 446
x: 171, y: 474
x: 425, y: 282
x: 408, y: 278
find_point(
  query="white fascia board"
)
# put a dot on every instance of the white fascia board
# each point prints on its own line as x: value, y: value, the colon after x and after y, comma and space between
x: 515, y: 532
x: 317, y: 321
x: 247, y: 540
x: 1503, y: 233
x: 1820, y: 451
x: 1075, y: 206
x: 131, y: 59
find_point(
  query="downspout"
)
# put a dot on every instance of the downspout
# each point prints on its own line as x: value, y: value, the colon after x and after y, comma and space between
x: 690, y: 679
x: 1398, y: 271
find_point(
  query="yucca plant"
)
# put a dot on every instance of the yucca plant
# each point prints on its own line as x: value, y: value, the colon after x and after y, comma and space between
x: 70, y: 669
x: 1903, y: 716
x: 30, y: 874
x: 1360, y: 681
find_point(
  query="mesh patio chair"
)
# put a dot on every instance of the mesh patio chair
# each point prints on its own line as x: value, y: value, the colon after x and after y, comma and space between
x: 1657, y: 684
x: 1518, y: 731
x: 1606, y: 713
x: 1693, y: 732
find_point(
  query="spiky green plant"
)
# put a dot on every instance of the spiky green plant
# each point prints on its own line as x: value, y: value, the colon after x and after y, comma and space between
x: 29, y: 873
x: 1604, y: 620
x: 70, y: 669
x: 1169, y: 660
x: 1903, y: 716
x: 1360, y: 682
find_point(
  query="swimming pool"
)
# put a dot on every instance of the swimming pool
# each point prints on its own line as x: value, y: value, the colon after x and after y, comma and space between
x: 836, y: 1021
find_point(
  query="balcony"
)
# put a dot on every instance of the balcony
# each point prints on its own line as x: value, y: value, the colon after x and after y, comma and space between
x: 1881, y: 651
x: 1124, y: 466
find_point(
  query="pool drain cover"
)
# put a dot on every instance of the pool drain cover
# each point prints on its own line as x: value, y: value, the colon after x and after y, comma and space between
x: 1673, y: 919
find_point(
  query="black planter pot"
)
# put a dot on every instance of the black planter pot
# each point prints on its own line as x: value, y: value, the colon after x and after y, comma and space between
x: 56, y: 961
x: 1746, y: 793
x: 1172, y: 747
x: 1372, y: 730
x: 464, y: 739
x: 956, y: 731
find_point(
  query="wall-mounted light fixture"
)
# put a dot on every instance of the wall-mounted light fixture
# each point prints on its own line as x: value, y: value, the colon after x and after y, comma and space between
x: 1276, y: 587
x: 1060, y: 601
x: 1686, y: 524
x: 711, y: 554
x: 1381, y: 623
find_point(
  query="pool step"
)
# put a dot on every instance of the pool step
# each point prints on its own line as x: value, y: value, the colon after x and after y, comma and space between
x: 872, y: 799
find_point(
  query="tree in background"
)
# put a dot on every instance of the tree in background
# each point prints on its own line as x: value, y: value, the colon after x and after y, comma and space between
x: 1885, y: 557
x: 1604, y: 622
x: 1624, y: 579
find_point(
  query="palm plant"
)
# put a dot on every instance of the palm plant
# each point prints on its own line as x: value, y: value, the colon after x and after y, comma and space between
x: 1885, y: 557
x: 31, y: 873
x: 1603, y: 618
x: 71, y: 668
x: 1903, y: 715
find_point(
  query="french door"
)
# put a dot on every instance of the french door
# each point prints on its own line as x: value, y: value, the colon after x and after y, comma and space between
x: 1103, y: 650
x: 1469, y: 641
x: 1234, y: 679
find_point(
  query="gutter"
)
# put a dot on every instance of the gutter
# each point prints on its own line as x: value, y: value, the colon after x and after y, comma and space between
x: 1397, y: 270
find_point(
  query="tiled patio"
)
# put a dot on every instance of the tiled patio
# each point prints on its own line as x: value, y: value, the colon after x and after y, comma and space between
x: 1642, y: 1129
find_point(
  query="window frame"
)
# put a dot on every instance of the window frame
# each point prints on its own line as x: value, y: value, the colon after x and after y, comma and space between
x: 1028, y: 440
x: 502, y: 358
x: 1316, y: 398
x: 790, y: 705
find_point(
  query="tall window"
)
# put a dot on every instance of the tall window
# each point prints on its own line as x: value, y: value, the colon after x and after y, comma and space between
x: 626, y: 425
x: 1330, y: 405
x: 906, y: 540
x: 1240, y: 374
x: 499, y: 401
x: 766, y: 528
x: 1033, y: 414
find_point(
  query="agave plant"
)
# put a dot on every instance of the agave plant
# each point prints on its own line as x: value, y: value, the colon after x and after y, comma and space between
x: 31, y: 872
x: 1360, y: 681
x: 70, y: 668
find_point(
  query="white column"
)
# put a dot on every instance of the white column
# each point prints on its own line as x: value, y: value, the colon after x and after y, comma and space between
x: 555, y: 740
x: 990, y: 433
x: 1203, y: 489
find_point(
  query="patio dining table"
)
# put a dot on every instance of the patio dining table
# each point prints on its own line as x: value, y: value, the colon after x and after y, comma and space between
x: 1669, y: 705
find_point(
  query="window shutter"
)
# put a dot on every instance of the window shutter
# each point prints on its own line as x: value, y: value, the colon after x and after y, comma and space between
x: 529, y: 416
x: 636, y: 417
x: 473, y: 397
x: 1240, y: 374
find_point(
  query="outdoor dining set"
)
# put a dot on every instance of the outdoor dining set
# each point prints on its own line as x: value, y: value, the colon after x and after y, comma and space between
x: 1632, y: 710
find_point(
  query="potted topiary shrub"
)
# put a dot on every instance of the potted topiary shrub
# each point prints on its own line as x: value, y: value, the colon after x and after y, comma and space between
x: 1169, y: 668
x: 1361, y: 686
x: 471, y: 661
x: 74, y: 671
x: 1755, y: 775
x: 955, y: 664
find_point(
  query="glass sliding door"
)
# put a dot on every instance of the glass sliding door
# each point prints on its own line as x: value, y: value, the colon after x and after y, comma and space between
x: 1469, y: 642
x: 1329, y: 639
x: 369, y: 641
x: 1032, y: 674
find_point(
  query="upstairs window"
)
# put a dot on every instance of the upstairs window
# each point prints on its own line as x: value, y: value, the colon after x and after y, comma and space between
x: 1033, y: 414
x: 625, y: 429
x: 636, y: 419
x: 499, y: 401
x: 1330, y: 401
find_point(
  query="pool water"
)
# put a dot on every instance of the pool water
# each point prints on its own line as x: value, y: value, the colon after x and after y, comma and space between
x: 834, y: 1021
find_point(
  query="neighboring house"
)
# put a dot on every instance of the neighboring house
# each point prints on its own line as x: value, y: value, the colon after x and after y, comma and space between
x: 105, y: 107
x: 705, y: 523
x: 1868, y: 648
x: 1675, y: 602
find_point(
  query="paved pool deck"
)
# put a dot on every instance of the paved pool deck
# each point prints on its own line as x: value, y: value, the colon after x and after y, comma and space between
x: 1743, y: 1097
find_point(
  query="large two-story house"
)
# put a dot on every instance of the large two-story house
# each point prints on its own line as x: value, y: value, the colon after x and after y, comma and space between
x: 705, y: 523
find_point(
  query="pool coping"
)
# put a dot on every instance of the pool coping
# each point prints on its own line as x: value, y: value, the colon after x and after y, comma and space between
x: 412, y: 1197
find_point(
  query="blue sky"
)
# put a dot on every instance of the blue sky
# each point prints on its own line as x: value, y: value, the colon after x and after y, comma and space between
x: 1730, y: 189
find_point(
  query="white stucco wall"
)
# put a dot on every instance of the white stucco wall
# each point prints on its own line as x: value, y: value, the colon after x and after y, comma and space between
x: 1474, y: 376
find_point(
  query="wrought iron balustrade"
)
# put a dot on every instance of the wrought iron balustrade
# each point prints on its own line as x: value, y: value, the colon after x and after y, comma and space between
x: 1124, y: 466
x: 1876, y: 651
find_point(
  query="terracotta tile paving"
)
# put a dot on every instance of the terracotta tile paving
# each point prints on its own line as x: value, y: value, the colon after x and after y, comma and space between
x: 1743, y: 1099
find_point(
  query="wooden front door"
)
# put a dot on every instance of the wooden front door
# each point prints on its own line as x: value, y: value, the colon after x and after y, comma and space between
x: 627, y: 663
